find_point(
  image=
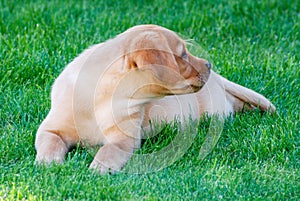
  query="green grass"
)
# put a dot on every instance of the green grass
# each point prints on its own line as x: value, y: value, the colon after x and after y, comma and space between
x: 254, y: 43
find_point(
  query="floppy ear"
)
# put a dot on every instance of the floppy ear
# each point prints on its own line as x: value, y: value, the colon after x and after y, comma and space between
x: 162, y: 64
x: 146, y: 57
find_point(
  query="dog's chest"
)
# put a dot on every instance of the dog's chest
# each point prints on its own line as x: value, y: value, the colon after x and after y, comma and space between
x: 181, y: 107
x: 111, y: 119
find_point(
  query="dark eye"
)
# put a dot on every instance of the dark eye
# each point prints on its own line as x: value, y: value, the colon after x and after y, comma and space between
x: 184, y: 55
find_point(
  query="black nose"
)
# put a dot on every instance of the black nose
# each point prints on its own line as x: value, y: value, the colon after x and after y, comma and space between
x: 208, y: 65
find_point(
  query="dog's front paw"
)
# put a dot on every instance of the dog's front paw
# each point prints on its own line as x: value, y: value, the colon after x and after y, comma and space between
x: 50, y: 148
x: 110, y: 159
x: 47, y: 159
x: 104, y: 167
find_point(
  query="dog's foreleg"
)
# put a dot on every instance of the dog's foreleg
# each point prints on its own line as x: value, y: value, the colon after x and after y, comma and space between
x: 50, y: 148
x: 112, y: 156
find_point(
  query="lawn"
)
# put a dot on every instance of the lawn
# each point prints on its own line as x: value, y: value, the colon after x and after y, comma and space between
x: 253, y: 43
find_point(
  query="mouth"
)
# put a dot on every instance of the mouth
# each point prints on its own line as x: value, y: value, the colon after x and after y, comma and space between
x: 196, y: 87
x: 188, y: 86
x: 187, y: 89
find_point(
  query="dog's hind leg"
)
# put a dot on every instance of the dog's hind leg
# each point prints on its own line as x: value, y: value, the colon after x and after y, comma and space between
x: 244, y: 98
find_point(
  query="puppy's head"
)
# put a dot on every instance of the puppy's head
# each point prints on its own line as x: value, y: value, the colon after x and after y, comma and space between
x: 161, y: 59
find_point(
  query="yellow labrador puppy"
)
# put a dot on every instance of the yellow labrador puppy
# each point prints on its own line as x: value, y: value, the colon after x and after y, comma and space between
x: 108, y: 93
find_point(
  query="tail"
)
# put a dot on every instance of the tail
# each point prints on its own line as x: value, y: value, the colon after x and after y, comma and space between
x: 243, y: 95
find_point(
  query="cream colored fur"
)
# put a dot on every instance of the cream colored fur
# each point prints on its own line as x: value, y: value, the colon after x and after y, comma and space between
x: 109, y: 93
